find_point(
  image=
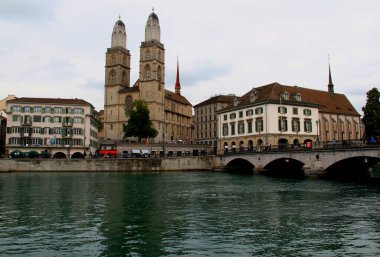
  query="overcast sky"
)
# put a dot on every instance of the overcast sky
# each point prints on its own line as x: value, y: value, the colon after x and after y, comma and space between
x: 56, y: 48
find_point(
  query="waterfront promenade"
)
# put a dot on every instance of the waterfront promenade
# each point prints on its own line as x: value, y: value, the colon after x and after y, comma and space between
x: 308, y: 162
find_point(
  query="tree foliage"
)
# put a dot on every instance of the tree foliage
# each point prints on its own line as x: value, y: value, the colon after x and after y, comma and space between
x: 371, y: 110
x: 139, y: 124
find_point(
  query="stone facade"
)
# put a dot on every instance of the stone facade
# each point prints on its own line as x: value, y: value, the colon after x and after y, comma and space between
x: 54, y: 125
x: 170, y: 112
x: 206, y: 119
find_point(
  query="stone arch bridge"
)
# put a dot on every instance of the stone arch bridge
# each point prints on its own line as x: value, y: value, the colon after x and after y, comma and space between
x: 311, y: 162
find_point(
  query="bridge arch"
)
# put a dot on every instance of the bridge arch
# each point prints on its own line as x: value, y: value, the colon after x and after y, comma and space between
x: 240, y: 165
x: 284, y: 167
x: 352, y: 168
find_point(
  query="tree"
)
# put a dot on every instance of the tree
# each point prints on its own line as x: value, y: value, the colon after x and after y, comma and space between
x: 371, y: 112
x: 139, y: 124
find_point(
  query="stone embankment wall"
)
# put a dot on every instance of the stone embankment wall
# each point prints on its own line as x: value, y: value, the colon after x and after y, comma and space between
x: 116, y: 165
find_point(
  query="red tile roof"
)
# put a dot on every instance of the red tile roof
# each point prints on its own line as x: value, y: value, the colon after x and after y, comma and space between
x: 32, y: 100
x: 327, y: 102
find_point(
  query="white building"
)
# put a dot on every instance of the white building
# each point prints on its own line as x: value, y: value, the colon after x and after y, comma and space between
x: 63, y: 128
x: 280, y: 115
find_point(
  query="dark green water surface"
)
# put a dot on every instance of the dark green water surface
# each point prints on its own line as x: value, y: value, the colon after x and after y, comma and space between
x: 185, y: 214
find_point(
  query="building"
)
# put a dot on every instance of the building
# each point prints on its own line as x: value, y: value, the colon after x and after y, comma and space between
x: 3, y: 132
x: 206, y: 119
x: 280, y: 115
x: 170, y: 112
x: 59, y: 127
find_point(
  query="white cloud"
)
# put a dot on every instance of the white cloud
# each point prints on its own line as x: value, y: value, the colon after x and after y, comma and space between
x: 57, y: 48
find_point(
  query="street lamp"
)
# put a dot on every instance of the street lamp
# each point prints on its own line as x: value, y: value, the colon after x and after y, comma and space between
x: 317, y: 122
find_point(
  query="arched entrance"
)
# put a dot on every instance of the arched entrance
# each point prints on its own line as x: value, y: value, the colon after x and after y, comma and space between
x: 77, y: 155
x: 225, y: 147
x: 233, y: 146
x: 282, y: 143
x: 250, y: 146
x: 59, y: 155
x: 241, y: 146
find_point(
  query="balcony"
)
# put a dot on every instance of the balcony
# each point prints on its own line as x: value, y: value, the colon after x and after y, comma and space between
x: 26, y: 123
x: 67, y: 124
x: 67, y: 135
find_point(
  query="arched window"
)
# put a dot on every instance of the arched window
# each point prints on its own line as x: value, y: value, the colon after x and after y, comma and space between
x: 147, y: 72
x: 128, y: 102
x: 159, y: 72
x: 147, y: 54
x: 124, y: 78
x: 112, y: 77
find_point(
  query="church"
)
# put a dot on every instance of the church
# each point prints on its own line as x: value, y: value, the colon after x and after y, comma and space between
x: 170, y: 112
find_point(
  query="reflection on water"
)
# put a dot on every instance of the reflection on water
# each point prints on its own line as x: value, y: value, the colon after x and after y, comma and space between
x: 185, y: 214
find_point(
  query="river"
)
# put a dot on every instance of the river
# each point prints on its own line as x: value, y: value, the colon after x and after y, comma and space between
x: 185, y: 214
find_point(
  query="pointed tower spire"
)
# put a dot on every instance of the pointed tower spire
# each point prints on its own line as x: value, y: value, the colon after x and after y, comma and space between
x: 177, y: 83
x: 330, y: 85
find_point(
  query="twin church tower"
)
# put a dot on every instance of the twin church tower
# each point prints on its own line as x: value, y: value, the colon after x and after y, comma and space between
x: 170, y: 112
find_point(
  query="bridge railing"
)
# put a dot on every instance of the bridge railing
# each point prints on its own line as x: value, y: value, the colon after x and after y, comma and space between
x: 315, y: 146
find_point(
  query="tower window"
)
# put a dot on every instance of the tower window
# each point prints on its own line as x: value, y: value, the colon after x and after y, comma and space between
x: 148, y: 55
x: 147, y: 72
x: 159, y: 72
x: 112, y: 77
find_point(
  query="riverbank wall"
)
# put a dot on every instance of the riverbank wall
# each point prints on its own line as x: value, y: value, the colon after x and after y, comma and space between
x: 110, y: 165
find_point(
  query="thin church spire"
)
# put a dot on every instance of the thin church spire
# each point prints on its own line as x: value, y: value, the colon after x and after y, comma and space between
x: 330, y: 85
x: 177, y: 83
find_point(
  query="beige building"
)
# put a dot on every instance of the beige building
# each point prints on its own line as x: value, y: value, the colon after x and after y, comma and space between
x: 60, y: 127
x: 170, y: 112
x: 281, y: 115
x: 206, y: 119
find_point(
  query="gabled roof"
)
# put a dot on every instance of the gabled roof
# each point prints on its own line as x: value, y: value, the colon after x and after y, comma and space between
x: 327, y: 102
x: 216, y: 99
x: 176, y: 97
x: 32, y: 100
x: 168, y: 94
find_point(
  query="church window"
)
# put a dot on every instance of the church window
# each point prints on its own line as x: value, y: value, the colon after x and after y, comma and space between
x: 147, y: 73
x: 124, y: 78
x: 147, y: 54
x: 128, y: 102
x: 159, y: 72
x: 112, y: 77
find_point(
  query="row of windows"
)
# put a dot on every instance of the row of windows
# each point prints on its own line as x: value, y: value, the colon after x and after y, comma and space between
x: 40, y: 109
x: 206, y: 127
x: 44, y: 141
x: 148, y: 54
x: 240, y: 127
x: 206, y: 118
x: 209, y: 134
x: 205, y: 110
x: 56, y: 119
x: 49, y: 131
x: 260, y: 110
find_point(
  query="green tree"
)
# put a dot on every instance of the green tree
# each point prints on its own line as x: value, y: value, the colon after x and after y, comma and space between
x: 371, y: 110
x: 139, y: 124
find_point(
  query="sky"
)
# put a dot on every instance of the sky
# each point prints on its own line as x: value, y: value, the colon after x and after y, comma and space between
x: 56, y: 48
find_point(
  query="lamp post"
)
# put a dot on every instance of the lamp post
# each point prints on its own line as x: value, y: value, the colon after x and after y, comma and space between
x: 317, y: 122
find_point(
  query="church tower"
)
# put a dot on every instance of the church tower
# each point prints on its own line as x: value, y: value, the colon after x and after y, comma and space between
x: 152, y: 73
x: 117, y: 77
